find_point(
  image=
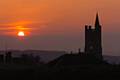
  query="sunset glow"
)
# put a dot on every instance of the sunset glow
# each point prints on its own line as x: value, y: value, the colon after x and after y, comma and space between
x: 59, y: 24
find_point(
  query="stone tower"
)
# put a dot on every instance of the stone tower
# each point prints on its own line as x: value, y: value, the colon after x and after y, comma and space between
x: 93, y: 41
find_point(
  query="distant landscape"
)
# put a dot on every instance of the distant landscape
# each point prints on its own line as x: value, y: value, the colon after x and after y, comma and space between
x: 47, y: 56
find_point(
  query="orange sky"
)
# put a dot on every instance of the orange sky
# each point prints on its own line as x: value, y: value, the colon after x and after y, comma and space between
x: 59, y: 24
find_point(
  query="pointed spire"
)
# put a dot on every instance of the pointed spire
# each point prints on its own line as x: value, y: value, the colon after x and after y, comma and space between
x: 97, y: 20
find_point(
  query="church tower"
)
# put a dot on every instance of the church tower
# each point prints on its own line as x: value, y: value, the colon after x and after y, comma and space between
x: 93, y: 40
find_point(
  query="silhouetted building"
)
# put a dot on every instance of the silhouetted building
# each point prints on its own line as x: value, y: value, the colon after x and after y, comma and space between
x: 8, y: 57
x: 93, y: 42
x: 75, y: 59
x: 37, y: 59
x: 1, y: 58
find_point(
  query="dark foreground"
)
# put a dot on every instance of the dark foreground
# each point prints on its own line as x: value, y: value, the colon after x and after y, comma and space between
x: 32, y: 72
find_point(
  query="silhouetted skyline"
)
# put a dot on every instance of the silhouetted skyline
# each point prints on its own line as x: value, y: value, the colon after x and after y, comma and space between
x: 59, y: 39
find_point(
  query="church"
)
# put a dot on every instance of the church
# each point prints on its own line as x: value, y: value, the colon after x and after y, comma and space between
x: 93, y: 41
x: 93, y: 49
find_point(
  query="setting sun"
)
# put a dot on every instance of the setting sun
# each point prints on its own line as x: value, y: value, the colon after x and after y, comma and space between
x: 21, y: 33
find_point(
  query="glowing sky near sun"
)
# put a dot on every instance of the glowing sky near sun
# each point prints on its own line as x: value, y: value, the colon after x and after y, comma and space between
x: 58, y: 24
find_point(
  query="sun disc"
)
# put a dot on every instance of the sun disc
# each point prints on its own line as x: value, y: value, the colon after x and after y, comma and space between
x: 21, y: 33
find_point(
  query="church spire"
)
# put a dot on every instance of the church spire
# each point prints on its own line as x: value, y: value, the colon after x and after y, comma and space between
x: 97, y: 20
